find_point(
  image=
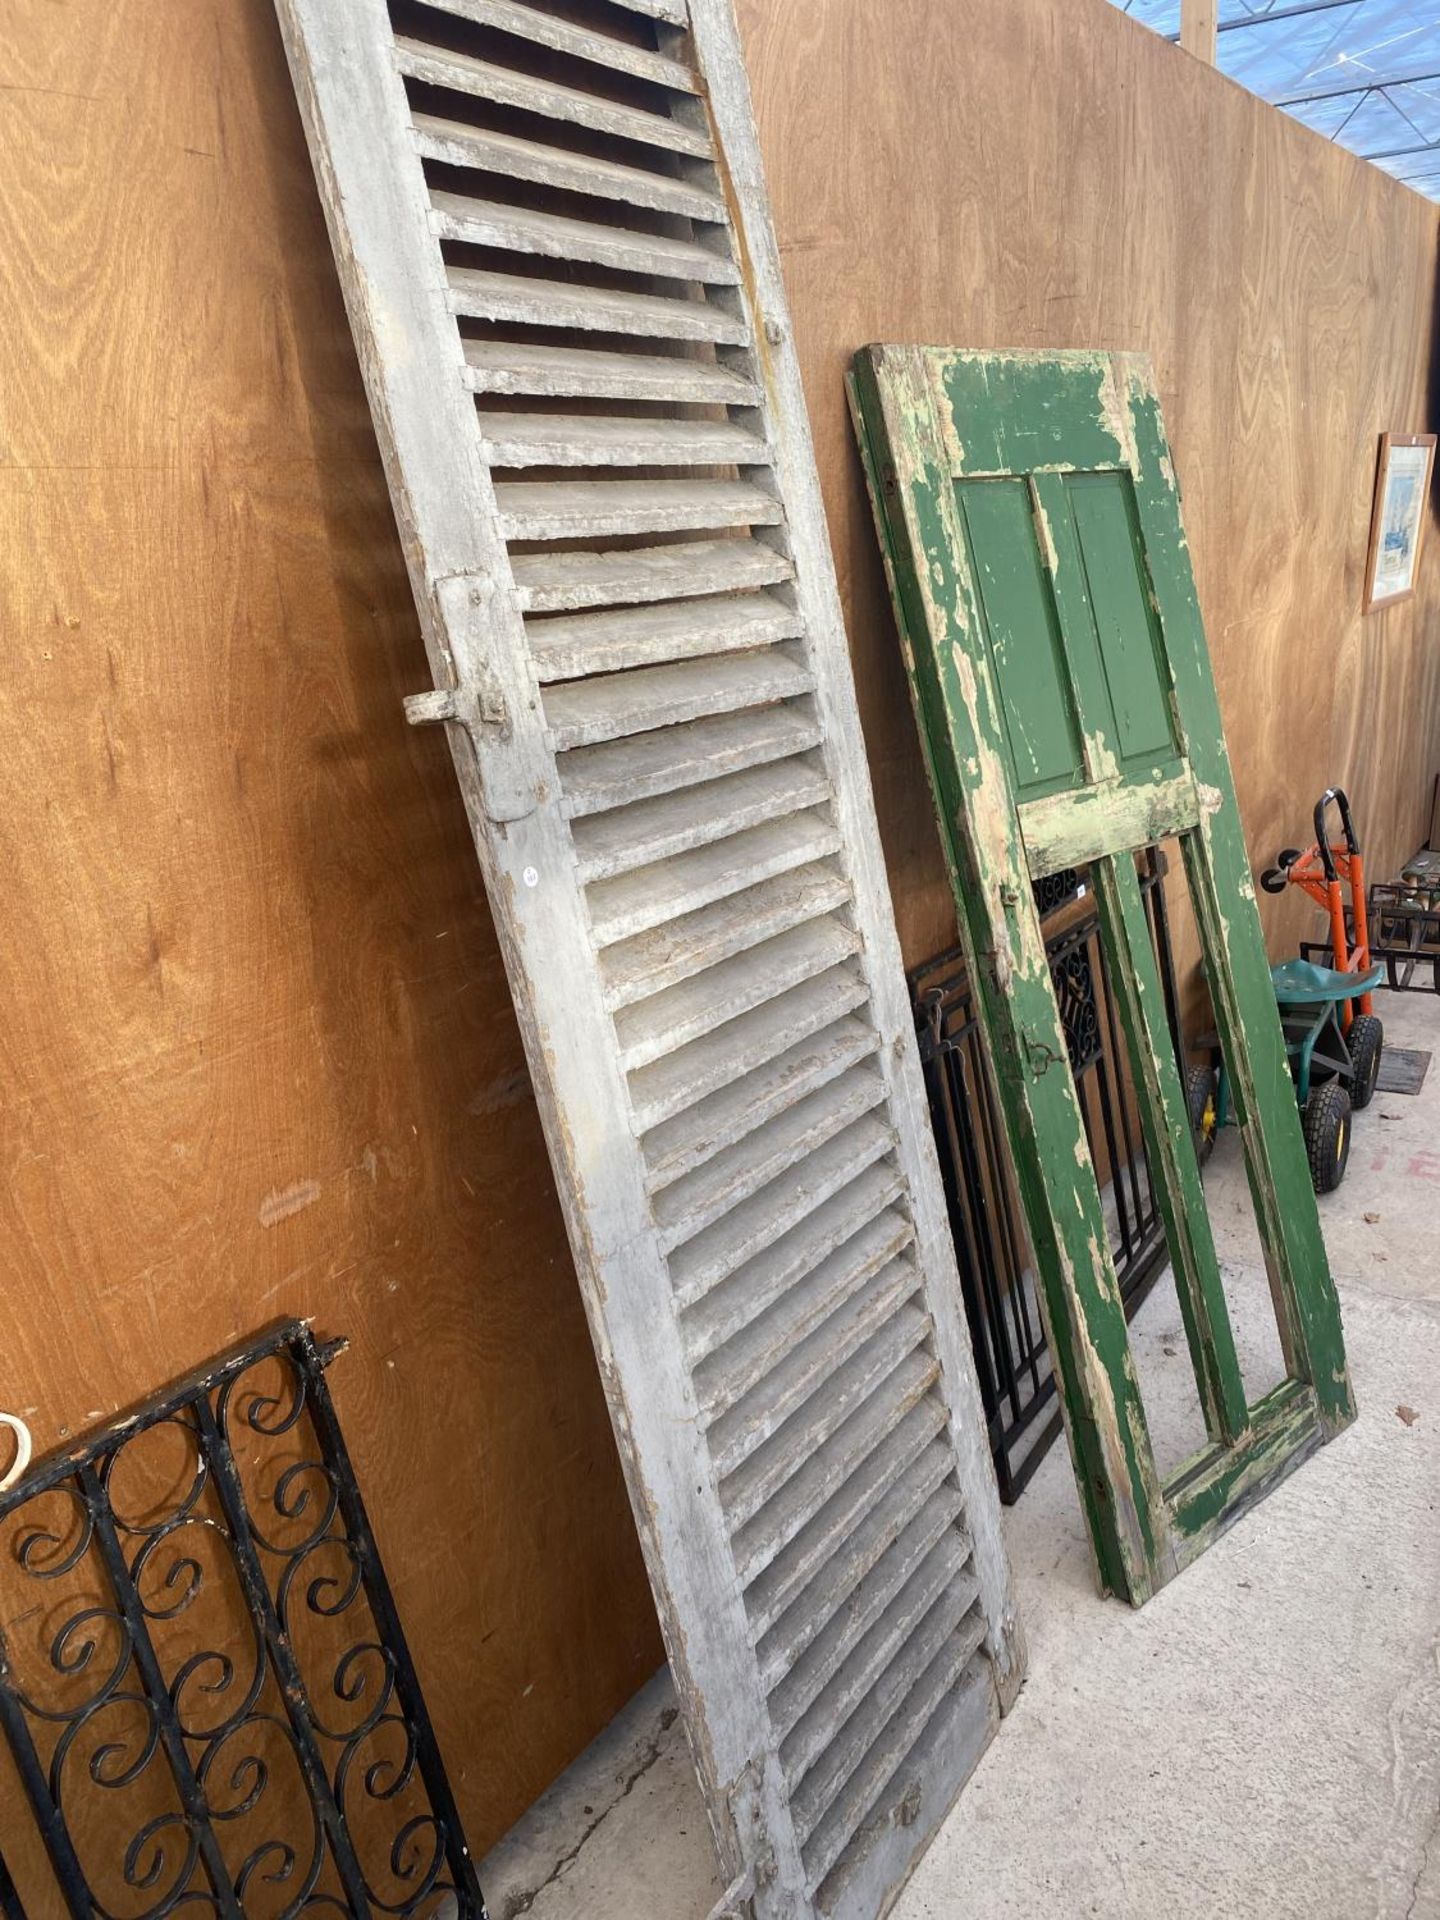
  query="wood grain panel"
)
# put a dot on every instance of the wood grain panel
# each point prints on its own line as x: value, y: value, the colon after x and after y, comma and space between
x: 1048, y: 173
x: 258, y: 1055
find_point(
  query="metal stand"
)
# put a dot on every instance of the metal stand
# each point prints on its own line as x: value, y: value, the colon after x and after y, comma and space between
x: 1404, y: 918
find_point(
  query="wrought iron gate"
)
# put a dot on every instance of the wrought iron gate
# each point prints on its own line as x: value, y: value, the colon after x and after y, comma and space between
x: 1017, y: 1386
x: 200, y: 1654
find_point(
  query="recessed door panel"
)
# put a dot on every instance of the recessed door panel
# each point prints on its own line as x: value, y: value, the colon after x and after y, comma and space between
x: 1103, y: 514
x: 1023, y: 635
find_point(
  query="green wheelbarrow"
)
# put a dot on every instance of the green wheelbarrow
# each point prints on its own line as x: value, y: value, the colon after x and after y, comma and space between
x: 1334, y: 1070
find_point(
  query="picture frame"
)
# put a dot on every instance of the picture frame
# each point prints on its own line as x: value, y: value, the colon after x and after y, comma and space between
x: 1397, y: 522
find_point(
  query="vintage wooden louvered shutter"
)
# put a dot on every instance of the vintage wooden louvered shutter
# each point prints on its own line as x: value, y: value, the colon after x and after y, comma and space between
x: 566, y: 299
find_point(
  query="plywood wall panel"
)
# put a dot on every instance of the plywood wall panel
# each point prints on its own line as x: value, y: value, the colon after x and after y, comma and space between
x: 1048, y: 173
x: 258, y: 1055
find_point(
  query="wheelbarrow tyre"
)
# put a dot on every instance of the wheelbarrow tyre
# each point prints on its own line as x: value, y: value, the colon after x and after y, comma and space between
x: 1326, y: 1122
x: 1202, y: 1096
x: 1367, y: 1042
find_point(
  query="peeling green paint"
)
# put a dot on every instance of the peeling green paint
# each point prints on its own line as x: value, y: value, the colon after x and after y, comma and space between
x: 1029, y: 520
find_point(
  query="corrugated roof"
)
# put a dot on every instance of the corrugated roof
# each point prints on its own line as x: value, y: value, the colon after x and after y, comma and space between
x: 1365, y: 73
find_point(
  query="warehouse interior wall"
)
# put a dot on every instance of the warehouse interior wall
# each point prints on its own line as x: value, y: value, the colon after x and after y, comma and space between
x: 258, y: 1056
x: 1049, y: 173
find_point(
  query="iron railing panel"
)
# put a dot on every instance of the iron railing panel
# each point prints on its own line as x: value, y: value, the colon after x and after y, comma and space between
x: 1017, y: 1388
x: 205, y: 1688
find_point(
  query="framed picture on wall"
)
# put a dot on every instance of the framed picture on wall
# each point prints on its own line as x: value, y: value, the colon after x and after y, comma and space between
x: 1397, y: 525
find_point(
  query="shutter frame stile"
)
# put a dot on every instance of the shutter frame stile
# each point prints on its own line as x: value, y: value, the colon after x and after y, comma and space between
x: 418, y: 375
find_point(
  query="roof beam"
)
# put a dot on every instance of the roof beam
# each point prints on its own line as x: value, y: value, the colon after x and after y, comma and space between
x: 1284, y: 13
x: 1277, y: 13
x: 1376, y: 85
x: 1402, y: 153
x: 1199, y: 24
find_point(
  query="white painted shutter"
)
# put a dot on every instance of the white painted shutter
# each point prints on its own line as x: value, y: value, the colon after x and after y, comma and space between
x: 565, y: 296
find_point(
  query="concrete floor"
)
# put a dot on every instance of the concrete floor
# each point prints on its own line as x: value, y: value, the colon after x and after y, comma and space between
x: 1262, y: 1739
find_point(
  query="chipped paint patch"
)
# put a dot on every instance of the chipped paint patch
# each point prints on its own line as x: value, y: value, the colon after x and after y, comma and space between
x: 1045, y: 531
x: 1115, y: 415
x: 1100, y: 759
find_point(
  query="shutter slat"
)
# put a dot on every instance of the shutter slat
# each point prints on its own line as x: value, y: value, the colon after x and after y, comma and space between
x: 554, y: 582
x: 617, y: 773
x: 691, y: 1204
x: 578, y: 644
x: 661, y: 1092
x: 921, y: 1484
x: 823, y: 1657
x: 781, y: 1457
x: 717, y: 1121
x: 479, y: 293
x: 505, y: 87
x: 579, y: 714
x: 457, y: 144
x: 824, y: 1233
x: 745, y: 1233
x: 588, y: 509
x: 534, y: 368
x: 612, y: 843
x: 696, y: 1007
x: 672, y: 11
x: 897, y: 1735
x: 822, y: 1539
x: 806, y: 1500
x: 588, y: 440
x: 634, y: 901
x: 662, y: 957
x: 758, y: 1379
x: 547, y: 30
x: 555, y: 236
x: 938, y: 1573
x: 908, y: 1682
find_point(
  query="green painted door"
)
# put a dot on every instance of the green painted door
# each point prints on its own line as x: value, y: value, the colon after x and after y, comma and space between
x: 1028, y: 510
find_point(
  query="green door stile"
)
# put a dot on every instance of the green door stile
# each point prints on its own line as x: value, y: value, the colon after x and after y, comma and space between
x: 1030, y: 526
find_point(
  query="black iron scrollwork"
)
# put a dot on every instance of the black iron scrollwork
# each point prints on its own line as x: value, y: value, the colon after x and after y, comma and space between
x: 997, y: 1280
x: 1055, y: 889
x: 216, y: 1712
x: 1074, y: 976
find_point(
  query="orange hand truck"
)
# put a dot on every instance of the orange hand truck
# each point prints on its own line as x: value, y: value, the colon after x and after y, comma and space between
x: 1323, y: 871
